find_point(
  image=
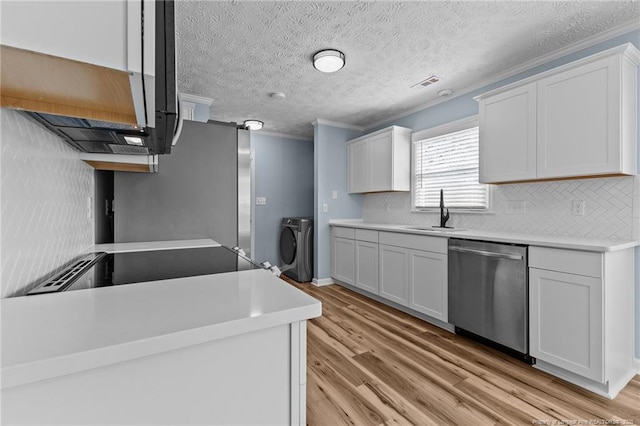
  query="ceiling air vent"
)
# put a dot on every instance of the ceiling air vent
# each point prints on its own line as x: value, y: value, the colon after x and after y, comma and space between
x: 428, y: 81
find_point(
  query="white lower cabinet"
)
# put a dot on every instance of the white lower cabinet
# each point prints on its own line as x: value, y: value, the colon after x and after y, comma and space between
x: 354, y: 257
x: 394, y: 274
x: 581, y: 316
x: 428, y: 283
x: 407, y: 269
x: 367, y: 266
x: 343, y: 251
x: 566, y: 321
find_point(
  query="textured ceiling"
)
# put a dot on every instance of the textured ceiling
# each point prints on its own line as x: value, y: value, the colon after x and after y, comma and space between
x: 238, y: 52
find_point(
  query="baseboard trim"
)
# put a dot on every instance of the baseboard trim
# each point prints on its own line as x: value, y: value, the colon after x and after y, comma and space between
x: 609, y: 390
x: 434, y: 321
x: 595, y: 387
x: 321, y: 282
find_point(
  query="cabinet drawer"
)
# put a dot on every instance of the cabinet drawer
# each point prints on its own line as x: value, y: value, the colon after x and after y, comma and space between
x: 570, y: 261
x: 416, y: 242
x: 367, y: 235
x: 341, y: 232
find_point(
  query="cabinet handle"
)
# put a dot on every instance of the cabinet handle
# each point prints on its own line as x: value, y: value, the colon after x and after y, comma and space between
x: 487, y: 253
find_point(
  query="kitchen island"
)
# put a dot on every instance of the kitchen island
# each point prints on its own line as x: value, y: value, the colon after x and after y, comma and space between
x: 228, y: 348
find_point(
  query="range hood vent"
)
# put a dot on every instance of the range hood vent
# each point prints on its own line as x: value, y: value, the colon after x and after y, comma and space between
x: 96, y: 136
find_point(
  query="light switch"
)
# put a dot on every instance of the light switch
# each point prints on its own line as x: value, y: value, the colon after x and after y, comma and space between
x: 89, y: 207
x: 325, y: 207
x: 261, y: 201
x: 334, y: 195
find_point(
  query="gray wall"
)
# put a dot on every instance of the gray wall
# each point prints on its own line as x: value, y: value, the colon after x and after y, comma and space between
x: 284, y: 176
x: 193, y: 195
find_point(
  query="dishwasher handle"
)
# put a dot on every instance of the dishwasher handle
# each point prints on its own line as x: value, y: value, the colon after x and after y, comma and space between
x: 486, y: 253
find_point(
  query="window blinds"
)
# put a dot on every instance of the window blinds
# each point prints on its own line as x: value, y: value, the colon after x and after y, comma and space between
x: 448, y: 162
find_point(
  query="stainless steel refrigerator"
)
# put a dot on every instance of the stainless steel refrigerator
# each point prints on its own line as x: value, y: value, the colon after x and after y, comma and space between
x: 201, y: 190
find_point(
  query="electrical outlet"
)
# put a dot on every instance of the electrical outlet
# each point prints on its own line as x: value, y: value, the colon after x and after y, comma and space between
x: 515, y: 207
x: 261, y: 201
x: 578, y: 207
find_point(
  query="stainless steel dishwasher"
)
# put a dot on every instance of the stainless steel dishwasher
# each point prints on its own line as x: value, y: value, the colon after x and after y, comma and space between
x: 488, y: 292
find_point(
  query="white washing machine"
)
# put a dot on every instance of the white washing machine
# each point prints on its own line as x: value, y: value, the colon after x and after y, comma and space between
x: 296, y: 248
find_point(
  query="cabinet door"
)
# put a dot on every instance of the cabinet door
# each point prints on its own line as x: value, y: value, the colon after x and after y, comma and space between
x: 342, y: 260
x: 508, y: 135
x: 367, y: 266
x: 428, y: 283
x: 579, y: 121
x: 91, y: 32
x: 358, y: 171
x: 381, y: 163
x: 565, y: 313
x: 394, y: 273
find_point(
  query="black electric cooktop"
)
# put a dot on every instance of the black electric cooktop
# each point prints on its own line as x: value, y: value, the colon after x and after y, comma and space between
x: 105, y: 269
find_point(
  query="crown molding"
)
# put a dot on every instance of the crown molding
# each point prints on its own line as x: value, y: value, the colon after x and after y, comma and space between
x: 283, y: 135
x: 541, y: 60
x: 195, y: 99
x: 336, y: 124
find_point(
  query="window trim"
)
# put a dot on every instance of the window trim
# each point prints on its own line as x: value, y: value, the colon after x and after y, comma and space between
x: 451, y: 127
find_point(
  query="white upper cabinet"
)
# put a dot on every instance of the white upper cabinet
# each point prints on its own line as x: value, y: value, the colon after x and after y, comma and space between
x: 91, y: 32
x: 359, y: 169
x: 573, y: 121
x: 581, y: 118
x: 380, y: 161
x: 80, y: 59
x: 508, y: 131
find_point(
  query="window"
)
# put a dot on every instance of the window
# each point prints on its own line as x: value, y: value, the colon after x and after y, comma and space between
x: 446, y: 157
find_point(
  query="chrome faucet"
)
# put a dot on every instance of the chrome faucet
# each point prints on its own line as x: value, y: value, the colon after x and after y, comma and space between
x: 444, y: 217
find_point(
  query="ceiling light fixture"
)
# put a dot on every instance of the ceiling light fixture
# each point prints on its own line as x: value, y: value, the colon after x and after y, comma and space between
x: 253, y: 124
x: 328, y: 60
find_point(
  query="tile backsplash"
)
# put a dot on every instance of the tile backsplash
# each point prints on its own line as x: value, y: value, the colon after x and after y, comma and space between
x: 44, y: 194
x: 609, y: 209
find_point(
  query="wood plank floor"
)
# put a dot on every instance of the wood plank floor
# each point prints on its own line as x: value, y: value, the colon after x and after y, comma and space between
x: 370, y: 364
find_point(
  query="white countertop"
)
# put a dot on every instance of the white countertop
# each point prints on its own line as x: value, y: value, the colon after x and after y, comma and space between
x: 154, y: 245
x: 50, y: 335
x: 573, y: 243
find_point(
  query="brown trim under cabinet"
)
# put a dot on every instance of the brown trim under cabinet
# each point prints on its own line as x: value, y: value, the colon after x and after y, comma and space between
x: 120, y: 167
x: 43, y: 83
